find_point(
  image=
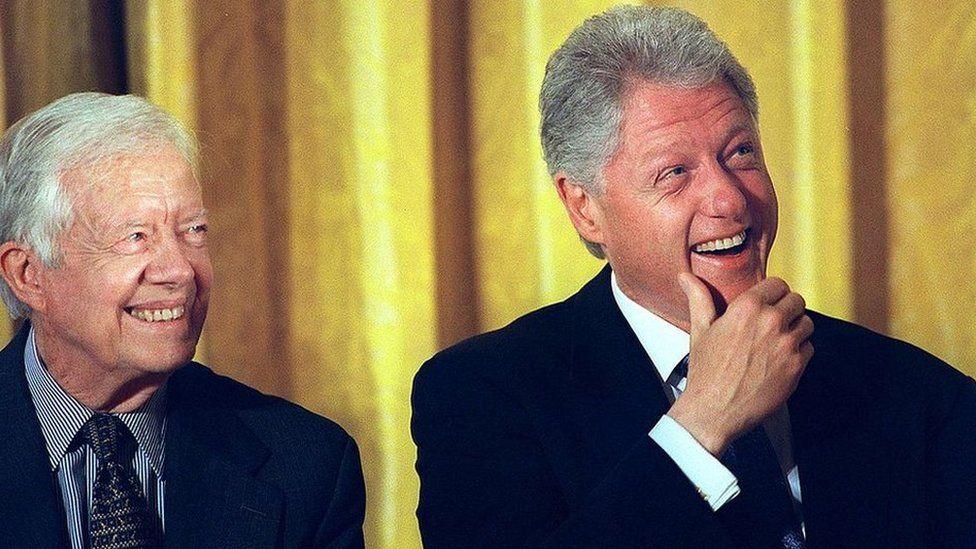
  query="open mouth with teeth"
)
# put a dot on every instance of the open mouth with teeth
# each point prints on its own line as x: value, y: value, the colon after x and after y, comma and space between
x: 156, y: 315
x: 723, y: 246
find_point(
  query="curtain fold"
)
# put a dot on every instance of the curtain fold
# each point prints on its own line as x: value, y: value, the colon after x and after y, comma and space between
x: 378, y: 192
x: 930, y: 133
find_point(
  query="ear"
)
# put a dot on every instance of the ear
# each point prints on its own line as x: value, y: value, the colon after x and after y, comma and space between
x: 584, y: 210
x: 21, y: 269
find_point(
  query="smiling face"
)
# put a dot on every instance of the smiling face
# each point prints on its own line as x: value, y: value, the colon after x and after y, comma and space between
x: 686, y: 190
x: 130, y: 296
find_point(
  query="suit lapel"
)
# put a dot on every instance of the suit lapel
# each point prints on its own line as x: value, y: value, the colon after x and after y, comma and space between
x: 843, y: 473
x: 29, y: 500
x: 609, y: 364
x: 212, y: 495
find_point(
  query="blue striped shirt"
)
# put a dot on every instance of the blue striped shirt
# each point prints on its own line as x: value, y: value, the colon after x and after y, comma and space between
x: 61, y: 417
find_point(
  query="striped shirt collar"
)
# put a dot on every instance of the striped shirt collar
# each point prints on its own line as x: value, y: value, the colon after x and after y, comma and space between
x: 61, y: 416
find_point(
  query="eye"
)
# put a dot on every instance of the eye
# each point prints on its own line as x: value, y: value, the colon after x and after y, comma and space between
x: 745, y: 149
x: 673, y: 172
x: 196, y: 234
x: 744, y: 156
x: 137, y: 236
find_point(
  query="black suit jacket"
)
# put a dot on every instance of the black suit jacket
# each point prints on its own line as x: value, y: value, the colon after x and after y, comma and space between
x: 242, y: 469
x: 537, y: 435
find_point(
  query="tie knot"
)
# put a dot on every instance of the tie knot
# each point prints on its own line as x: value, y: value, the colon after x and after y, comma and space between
x: 109, y: 438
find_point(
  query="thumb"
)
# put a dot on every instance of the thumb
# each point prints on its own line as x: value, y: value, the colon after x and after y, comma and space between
x: 701, y: 308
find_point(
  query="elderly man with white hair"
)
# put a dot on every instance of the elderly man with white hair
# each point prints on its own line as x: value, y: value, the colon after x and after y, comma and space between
x: 681, y: 398
x: 112, y: 436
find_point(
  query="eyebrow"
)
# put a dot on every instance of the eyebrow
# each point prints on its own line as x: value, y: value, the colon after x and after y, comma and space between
x: 141, y: 223
x: 196, y: 215
x: 741, y: 127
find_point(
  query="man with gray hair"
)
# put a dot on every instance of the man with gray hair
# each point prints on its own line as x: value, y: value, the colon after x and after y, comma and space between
x: 114, y: 438
x: 676, y: 400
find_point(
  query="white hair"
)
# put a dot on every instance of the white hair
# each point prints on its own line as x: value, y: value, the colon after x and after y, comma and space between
x: 586, y: 79
x: 77, y: 130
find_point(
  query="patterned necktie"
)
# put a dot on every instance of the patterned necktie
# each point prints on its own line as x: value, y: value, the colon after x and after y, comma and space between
x: 120, y: 515
x: 762, y: 514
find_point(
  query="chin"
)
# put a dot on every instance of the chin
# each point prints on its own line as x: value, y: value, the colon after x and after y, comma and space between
x: 723, y: 294
x: 163, y: 363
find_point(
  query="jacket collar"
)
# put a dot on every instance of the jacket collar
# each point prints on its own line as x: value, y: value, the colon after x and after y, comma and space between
x: 212, y: 461
x: 606, y: 358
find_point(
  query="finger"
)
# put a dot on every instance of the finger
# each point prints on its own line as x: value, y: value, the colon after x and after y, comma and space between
x: 791, y: 306
x: 802, y: 328
x: 701, y: 308
x: 806, y: 352
x: 770, y: 290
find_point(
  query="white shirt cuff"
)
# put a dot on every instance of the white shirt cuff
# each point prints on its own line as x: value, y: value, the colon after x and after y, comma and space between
x: 714, y: 482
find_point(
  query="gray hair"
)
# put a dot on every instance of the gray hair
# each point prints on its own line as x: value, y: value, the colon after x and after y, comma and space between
x: 586, y: 79
x: 77, y: 130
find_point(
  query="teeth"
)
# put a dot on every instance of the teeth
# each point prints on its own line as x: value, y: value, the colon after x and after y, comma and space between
x: 721, y: 243
x: 157, y: 315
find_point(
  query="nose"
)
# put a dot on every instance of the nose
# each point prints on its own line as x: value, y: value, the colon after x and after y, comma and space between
x: 722, y: 194
x: 169, y: 265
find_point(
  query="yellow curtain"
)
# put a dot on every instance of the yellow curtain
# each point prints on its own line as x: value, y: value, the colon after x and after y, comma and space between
x: 378, y: 192
x: 931, y: 195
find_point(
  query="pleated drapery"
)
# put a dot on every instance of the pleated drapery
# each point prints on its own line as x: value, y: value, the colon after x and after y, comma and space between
x: 377, y: 189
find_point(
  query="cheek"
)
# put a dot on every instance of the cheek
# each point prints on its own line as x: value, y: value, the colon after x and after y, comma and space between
x: 94, y: 301
x: 116, y: 280
x: 658, y: 240
x: 759, y: 191
x: 202, y: 272
x: 203, y: 276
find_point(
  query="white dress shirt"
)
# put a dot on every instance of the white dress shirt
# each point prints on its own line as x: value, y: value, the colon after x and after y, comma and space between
x: 667, y: 345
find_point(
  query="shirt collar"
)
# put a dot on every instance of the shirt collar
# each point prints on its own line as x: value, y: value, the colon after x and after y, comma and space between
x: 664, y: 343
x: 61, y: 416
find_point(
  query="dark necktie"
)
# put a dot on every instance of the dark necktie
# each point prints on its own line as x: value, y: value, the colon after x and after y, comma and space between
x: 120, y: 515
x: 762, y: 514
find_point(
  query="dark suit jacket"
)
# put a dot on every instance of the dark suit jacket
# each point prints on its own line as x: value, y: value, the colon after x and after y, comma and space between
x: 242, y: 469
x: 536, y: 435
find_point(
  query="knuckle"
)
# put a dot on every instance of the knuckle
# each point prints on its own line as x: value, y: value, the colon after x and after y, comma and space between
x: 773, y: 318
x: 749, y: 305
x: 778, y: 283
x: 806, y: 352
x: 801, y: 360
x: 807, y: 325
x: 801, y: 303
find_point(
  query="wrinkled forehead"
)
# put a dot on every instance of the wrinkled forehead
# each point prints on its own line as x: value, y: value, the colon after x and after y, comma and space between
x: 114, y: 183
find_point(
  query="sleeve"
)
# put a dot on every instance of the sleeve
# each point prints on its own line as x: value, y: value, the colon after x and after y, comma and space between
x: 713, y: 481
x: 486, y: 480
x: 342, y: 526
x: 951, y: 489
